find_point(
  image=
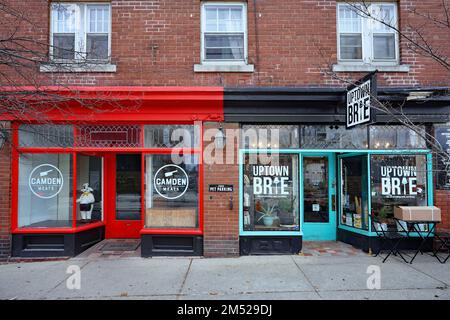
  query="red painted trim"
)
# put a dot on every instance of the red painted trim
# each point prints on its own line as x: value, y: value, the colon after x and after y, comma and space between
x: 14, y: 177
x: 172, y: 231
x: 104, y: 150
x: 58, y: 230
x: 74, y: 190
x: 200, y: 187
x: 143, y: 191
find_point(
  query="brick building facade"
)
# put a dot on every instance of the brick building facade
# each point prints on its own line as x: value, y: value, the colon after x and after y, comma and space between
x: 292, y: 47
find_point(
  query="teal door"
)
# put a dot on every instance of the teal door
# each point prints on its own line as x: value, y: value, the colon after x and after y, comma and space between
x: 318, y: 196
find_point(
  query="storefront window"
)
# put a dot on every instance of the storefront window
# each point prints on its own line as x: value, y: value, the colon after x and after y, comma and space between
x: 270, y: 136
x: 271, y: 194
x: 45, y: 135
x: 172, y: 136
x: 332, y: 137
x: 315, y: 189
x: 89, y: 189
x: 396, y: 137
x: 171, y: 197
x: 45, y: 190
x: 354, y: 195
x: 114, y: 136
x: 397, y: 180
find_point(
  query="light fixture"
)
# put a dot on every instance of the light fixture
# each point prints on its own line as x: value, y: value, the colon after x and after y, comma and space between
x: 219, y: 139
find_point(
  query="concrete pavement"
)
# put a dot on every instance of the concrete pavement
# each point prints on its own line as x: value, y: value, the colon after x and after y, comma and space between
x: 256, y: 277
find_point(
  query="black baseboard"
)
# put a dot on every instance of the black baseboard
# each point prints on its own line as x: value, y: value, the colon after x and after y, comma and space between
x: 365, y: 243
x: 273, y: 245
x: 171, y: 245
x: 44, y: 245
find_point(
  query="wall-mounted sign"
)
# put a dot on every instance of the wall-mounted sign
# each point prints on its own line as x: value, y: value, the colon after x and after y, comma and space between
x: 171, y: 181
x: 360, y: 97
x: 46, y: 181
x: 442, y: 135
x: 399, y: 182
x: 271, y: 181
x: 220, y: 188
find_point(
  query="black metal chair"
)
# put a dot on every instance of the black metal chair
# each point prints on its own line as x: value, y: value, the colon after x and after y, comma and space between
x: 442, y: 239
x: 389, y: 239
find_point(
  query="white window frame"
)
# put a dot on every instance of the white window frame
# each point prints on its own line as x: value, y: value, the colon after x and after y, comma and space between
x: 367, y: 40
x: 80, y: 33
x: 223, y: 62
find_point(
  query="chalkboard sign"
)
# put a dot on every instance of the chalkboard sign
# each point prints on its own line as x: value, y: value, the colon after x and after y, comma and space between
x: 443, y: 137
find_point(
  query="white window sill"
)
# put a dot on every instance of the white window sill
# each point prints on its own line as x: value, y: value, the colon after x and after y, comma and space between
x: 211, y: 67
x: 73, y: 67
x: 370, y: 68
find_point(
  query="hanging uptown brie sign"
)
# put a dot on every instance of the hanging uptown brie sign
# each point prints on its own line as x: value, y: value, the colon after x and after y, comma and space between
x: 171, y: 181
x: 360, y: 97
x: 46, y: 181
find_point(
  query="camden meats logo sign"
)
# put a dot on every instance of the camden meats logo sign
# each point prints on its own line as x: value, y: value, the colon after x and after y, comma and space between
x: 171, y: 181
x: 46, y: 181
x: 399, y: 182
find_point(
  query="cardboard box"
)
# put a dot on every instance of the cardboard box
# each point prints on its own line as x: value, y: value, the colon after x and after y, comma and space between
x: 418, y: 213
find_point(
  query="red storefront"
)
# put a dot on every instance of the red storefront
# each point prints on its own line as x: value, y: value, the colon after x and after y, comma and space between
x: 118, y: 140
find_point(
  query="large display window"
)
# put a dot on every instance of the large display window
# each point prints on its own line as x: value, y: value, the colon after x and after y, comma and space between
x: 45, y: 190
x: 270, y: 194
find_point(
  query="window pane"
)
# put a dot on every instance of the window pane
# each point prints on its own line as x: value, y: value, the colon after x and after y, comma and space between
x: 45, y: 190
x: 397, y: 180
x: 63, y: 46
x: 128, y: 186
x: 113, y: 136
x: 332, y: 137
x: 171, y: 198
x: 383, y: 13
x: 172, y: 136
x: 349, y: 20
x: 354, y: 192
x: 63, y: 18
x: 90, y: 201
x: 396, y: 137
x: 315, y: 189
x: 45, y: 135
x: 270, y: 136
x: 224, y: 19
x: 97, y: 46
x: 270, y: 200
x: 384, y: 46
x: 98, y: 16
x: 224, y: 47
x: 351, y: 47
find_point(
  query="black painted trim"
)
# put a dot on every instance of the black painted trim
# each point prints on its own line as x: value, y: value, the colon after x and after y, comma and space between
x: 326, y: 105
x: 171, y: 245
x: 44, y: 245
x: 269, y: 245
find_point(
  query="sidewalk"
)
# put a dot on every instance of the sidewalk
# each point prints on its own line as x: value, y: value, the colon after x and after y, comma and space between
x: 251, y: 277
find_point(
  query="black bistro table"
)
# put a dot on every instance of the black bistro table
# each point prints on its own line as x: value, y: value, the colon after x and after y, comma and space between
x: 413, y: 227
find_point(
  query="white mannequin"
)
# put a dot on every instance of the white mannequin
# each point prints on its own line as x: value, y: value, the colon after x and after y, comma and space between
x: 86, y: 201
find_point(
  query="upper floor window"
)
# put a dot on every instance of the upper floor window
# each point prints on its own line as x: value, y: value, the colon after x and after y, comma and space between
x: 224, y: 34
x: 366, y: 32
x: 80, y: 31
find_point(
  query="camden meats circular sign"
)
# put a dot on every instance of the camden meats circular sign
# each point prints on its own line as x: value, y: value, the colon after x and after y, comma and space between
x: 171, y: 181
x: 46, y: 181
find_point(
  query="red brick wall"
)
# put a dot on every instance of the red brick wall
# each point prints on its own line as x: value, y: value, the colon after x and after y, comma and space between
x: 443, y: 201
x: 289, y: 41
x: 5, y: 197
x: 221, y: 224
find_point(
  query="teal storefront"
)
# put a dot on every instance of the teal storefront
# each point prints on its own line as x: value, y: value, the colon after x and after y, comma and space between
x: 303, y: 182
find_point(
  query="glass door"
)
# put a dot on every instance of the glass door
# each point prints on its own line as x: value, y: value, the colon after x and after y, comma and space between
x: 125, y: 185
x: 318, y: 195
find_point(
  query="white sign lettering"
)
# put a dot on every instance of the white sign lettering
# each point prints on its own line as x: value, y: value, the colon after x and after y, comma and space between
x: 358, y: 105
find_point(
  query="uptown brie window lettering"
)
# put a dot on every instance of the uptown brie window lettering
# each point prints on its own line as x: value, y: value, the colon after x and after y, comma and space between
x: 399, y: 181
x: 270, y: 180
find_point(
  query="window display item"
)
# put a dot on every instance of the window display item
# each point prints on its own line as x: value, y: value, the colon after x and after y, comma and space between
x: 86, y: 202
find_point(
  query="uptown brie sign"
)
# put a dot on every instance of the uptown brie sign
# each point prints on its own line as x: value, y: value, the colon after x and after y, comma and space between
x: 46, y: 181
x: 359, y: 101
x: 171, y: 181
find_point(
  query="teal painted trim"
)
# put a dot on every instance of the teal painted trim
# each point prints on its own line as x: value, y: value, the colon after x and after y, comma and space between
x: 346, y: 151
x: 300, y: 189
x: 369, y: 195
x: 356, y: 230
x: 430, y: 186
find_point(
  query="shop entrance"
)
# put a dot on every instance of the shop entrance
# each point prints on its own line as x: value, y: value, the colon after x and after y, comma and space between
x: 124, y: 185
x: 318, y: 188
